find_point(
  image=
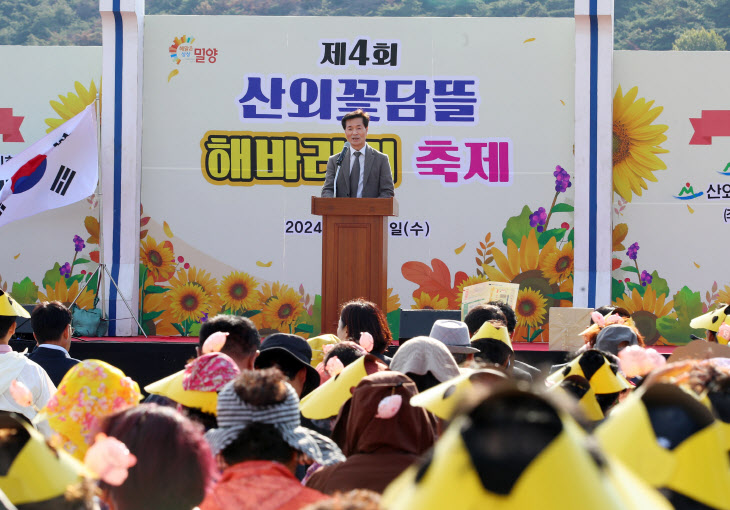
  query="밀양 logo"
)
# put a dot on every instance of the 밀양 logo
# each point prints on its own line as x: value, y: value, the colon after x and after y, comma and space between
x: 184, y: 50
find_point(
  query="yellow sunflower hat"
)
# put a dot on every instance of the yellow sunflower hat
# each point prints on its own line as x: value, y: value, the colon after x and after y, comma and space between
x: 38, y: 472
x: 713, y: 320
x: 490, y: 331
x: 687, y: 455
x: 326, y: 401
x: 10, y: 307
x: 580, y: 389
x: 596, y: 368
x: 473, y: 466
x: 442, y: 399
x: 317, y: 344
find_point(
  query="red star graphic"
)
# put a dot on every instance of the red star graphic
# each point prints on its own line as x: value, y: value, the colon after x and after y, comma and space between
x: 10, y: 126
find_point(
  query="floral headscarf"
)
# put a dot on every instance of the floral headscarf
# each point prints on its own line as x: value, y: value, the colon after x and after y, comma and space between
x: 89, y: 391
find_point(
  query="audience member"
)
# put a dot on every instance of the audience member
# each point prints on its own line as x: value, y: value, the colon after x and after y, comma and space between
x: 426, y: 361
x: 260, y: 442
x: 346, y: 352
x: 292, y: 355
x: 379, y: 432
x: 455, y: 336
x: 358, y: 499
x: 481, y: 314
x: 174, y: 468
x: 51, y: 322
x: 360, y: 316
x: 16, y: 368
x: 242, y: 342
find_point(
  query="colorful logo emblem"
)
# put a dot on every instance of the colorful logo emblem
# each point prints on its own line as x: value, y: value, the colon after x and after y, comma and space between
x: 726, y: 170
x: 25, y: 178
x: 688, y: 193
x: 181, y: 49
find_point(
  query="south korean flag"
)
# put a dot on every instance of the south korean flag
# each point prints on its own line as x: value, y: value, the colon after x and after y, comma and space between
x: 58, y: 170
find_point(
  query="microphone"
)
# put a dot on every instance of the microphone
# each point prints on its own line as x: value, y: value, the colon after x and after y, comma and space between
x: 339, y: 162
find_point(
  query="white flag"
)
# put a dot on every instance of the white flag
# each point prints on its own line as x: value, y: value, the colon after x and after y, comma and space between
x: 60, y: 169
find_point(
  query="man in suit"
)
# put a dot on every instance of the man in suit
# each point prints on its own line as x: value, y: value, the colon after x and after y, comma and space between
x: 365, y: 172
x: 51, y: 324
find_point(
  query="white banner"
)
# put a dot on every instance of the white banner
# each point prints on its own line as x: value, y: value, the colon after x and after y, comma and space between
x: 60, y: 169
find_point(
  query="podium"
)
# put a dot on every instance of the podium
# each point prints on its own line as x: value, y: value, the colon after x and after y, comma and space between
x: 354, y: 252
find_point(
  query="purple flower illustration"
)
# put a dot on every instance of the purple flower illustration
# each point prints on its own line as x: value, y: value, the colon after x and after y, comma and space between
x: 79, y: 243
x: 538, y: 219
x: 562, y: 179
x: 645, y: 278
x: 65, y: 270
x: 633, y: 251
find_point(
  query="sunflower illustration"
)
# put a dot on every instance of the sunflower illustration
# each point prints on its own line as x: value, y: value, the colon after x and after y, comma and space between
x: 284, y: 309
x: 204, y: 280
x: 646, y: 310
x: 188, y: 302
x: 238, y: 291
x: 72, y: 104
x: 636, y: 143
x: 557, y: 266
x: 159, y: 259
x: 270, y: 291
x: 530, y: 309
x: 426, y: 302
x: 393, y: 302
x: 65, y: 294
x: 472, y: 280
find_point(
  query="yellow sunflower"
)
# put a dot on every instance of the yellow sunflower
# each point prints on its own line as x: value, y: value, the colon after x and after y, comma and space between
x: 426, y: 302
x: 393, y: 302
x: 283, y: 309
x: 61, y: 292
x: 71, y: 105
x: 528, y: 257
x: 530, y: 309
x: 636, y: 141
x: 472, y: 280
x: 159, y: 259
x: 646, y: 310
x: 557, y: 266
x: 238, y: 291
x: 204, y: 280
x: 188, y: 302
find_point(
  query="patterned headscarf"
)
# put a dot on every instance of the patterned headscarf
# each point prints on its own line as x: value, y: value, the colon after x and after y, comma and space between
x: 88, y: 392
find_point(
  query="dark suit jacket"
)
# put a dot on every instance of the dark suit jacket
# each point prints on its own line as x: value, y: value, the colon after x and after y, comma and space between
x: 377, y: 179
x: 53, y: 361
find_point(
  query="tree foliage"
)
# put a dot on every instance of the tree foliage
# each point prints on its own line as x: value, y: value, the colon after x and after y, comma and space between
x: 640, y: 24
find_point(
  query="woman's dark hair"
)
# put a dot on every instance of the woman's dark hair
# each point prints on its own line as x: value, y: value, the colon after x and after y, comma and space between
x: 174, y: 466
x: 424, y: 381
x: 359, y: 316
x: 347, y: 352
x: 492, y: 351
x: 5, y: 322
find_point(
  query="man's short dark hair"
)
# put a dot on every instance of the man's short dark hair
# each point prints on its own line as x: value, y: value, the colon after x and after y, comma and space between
x: 49, y: 320
x: 481, y: 314
x: 492, y: 351
x: 510, y: 319
x: 5, y: 322
x: 357, y: 114
x: 243, y: 337
x: 347, y: 352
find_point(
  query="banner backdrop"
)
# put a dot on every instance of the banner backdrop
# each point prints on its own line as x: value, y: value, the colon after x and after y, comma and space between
x: 671, y: 188
x: 241, y: 114
x: 49, y: 255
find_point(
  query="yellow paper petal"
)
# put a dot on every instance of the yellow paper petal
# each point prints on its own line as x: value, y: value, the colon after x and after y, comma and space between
x: 696, y: 265
x: 264, y: 264
x: 691, y: 211
x: 16, y: 257
x: 528, y: 40
x: 173, y: 73
x: 562, y: 102
x: 460, y: 249
x: 167, y: 230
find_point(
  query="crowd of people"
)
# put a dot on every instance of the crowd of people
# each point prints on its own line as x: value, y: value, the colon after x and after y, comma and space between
x: 348, y: 422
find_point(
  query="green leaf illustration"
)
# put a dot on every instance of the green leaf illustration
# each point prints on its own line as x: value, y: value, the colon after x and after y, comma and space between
x: 630, y: 269
x: 675, y: 327
x: 52, y: 276
x: 544, y: 238
x: 618, y: 289
x: 639, y: 288
x: 517, y: 227
x: 659, y: 284
x: 25, y: 291
x: 562, y: 208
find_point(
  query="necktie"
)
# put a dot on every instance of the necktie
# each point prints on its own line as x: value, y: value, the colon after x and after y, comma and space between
x: 355, y: 175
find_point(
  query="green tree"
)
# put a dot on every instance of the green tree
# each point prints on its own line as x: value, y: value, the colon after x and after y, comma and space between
x: 699, y: 39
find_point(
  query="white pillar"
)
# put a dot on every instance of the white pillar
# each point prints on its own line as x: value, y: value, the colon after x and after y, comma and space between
x: 593, y: 152
x: 121, y: 156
